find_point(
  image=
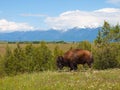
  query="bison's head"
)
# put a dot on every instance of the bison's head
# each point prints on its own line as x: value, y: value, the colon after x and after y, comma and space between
x: 60, y: 62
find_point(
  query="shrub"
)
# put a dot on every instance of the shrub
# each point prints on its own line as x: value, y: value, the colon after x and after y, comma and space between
x: 85, y: 45
x: 105, y: 57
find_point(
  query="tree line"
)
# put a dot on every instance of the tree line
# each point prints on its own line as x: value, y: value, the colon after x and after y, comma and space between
x: 28, y: 59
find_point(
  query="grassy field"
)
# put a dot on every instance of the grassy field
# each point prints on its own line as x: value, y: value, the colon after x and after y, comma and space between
x: 51, y: 46
x: 87, y: 80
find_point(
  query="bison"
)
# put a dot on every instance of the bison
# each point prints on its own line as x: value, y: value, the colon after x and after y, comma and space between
x: 74, y: 57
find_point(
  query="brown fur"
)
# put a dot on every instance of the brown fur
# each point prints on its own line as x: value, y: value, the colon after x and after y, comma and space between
x: 74, y: 57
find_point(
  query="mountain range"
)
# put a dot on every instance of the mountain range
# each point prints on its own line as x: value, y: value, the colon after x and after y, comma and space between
x: 74, y: 34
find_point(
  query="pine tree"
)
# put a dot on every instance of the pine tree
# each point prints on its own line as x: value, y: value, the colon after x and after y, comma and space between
x: 105, y: 29
x: 43, y: 57
x: 2, y: 72
x: 108, y: 34
x: 8, y: 62
x: 19, y: 58
x: 99, y: 40
x: 117, y: 33
x: 29, y: 58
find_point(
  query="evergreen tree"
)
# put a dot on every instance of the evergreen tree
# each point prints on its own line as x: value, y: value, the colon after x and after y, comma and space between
x: 105, y: 29
x: 108, y: 34
x: 8, y: 62
x: 29, y: 58
x: 43, y: 57
x: 2, y: 72
x: 19, y: 58
x: 99, y: 38
x: 117, y: 33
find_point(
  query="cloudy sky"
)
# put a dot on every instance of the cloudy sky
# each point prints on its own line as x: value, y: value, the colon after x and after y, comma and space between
x: 24, y: 15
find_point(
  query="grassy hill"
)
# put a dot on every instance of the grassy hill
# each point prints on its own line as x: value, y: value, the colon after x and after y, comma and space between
x: 87, y: 80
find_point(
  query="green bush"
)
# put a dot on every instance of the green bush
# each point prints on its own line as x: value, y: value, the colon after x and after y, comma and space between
x: 28, y: 59
x: 2, y: 72
x: 105, y: 57
x: 42, y: 57
x: 85, y: 45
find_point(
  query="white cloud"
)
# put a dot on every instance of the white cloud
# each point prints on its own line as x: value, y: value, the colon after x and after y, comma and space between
x: 114, y: 1
x: 8, y: 26
x: 84, y: 19
x: 108, y: 10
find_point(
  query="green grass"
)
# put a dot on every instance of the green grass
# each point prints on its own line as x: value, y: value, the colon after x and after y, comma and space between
x: 51, y: 46
x: 87, y: 80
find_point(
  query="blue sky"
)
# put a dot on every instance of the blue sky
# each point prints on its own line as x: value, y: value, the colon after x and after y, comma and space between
x: 24, y: 15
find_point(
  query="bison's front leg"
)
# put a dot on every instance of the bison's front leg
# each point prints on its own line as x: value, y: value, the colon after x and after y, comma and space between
x: 73, y: 66
x: 89, y: 64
